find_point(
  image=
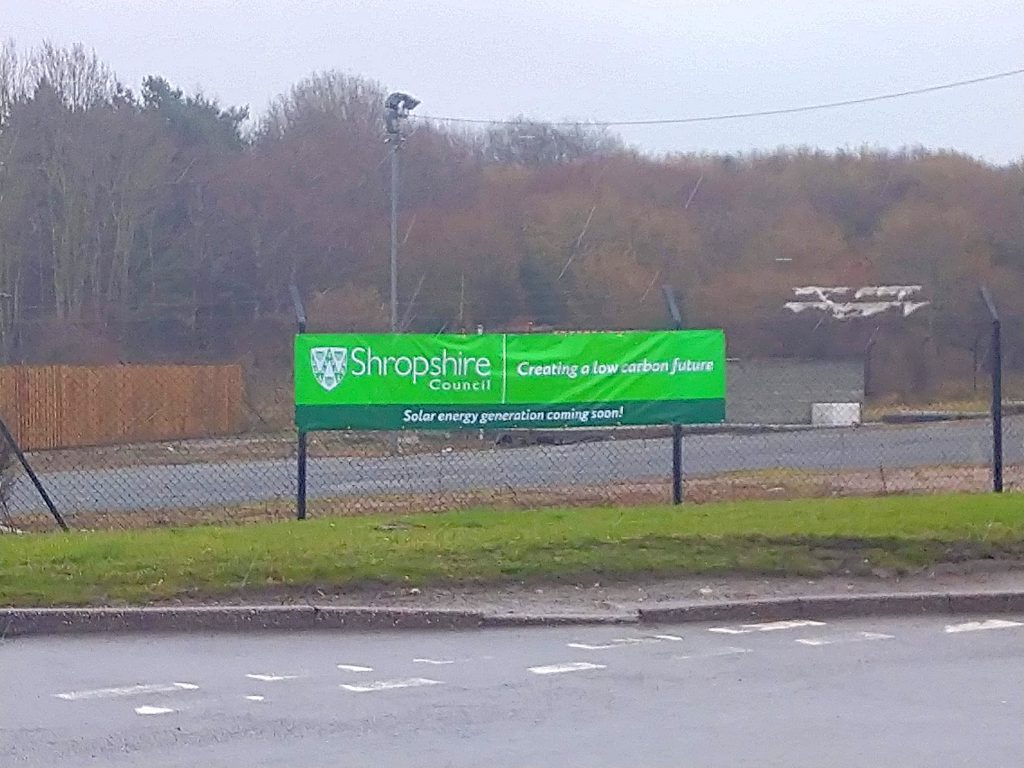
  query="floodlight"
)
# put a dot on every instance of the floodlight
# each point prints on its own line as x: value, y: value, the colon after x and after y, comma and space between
x: 396, y: 106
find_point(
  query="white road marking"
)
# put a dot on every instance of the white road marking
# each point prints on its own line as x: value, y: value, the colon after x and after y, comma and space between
x: 588, y: 647
x: 271, y: 678
x: 148, y: 710
x: 728, y: 650
x: 976, y: 626
x: 572, y: 666
x: 671, y: 638
x: 433, y: 661
x: 859, y: 637
x: 354, y: 668
x: 620, y: 642
x: 635, y: 640
x: 255, y: 698
x: 128, y: 690
x: 388, y: 685
x: 770, y: 626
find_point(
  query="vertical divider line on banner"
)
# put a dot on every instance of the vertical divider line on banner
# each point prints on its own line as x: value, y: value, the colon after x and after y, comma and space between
x: 504, y: 368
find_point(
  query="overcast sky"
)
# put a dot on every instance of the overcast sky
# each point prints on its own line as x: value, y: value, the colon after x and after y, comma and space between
x: 593, y: 59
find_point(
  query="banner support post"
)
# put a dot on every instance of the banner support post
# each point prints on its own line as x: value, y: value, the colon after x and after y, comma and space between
x: 996, y: 408
x: 677, y: 430
x: 300, y: 454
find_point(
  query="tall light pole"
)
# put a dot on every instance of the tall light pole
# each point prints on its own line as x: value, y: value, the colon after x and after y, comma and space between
x: 396, y: 143
x: 396, y: 108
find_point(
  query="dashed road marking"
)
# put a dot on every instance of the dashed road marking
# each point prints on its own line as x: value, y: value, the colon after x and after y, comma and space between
x: 729, y: 650
x: 255, y: 698
x: 572, y: 666
x: 859, y: 637
x: 271, y: 678
x: 128, y: 690
x: 620, y: 642
x: 770, y: 626
x: 148, y: 710
x: 354, y: 668
x: 388, y: 685
x: 670, y: 638
x: 436, y: 662
x: 977, y: 626
x: 635, y: 640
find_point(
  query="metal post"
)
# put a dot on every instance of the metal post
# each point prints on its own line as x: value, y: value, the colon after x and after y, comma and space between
x: 868, y: 368
x: 32, y: 475
x: 677, y: 430
x: 677, y: 464
x: 673, y: 308
x: 396, y: 142
x: 997, y: 407
x: 300, y: 491
x: 997, y: 393
x: 396, y: 109
x: 300, y: 496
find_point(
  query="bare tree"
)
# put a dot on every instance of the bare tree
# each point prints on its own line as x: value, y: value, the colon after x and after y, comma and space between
x: 534, y: 143
x: 327, y: 96
x: 12, y: 79
x: 77, y: 76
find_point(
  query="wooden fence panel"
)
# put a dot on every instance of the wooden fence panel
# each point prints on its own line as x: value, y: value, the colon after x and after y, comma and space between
x: 63, y: 406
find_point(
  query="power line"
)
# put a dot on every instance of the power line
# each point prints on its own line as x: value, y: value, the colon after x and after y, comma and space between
x: 737, y: 115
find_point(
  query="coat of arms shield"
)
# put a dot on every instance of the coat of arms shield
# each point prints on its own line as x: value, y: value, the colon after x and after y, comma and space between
x: 329, y: 365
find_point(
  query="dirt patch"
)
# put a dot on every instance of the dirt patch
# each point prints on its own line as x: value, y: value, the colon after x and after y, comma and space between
x: 738, y: 486
x: 602, y: 596
x: 258, y: 447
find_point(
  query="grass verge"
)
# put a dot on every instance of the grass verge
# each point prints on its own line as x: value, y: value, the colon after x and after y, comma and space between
x: 737, y: 486
x: 800, y: 537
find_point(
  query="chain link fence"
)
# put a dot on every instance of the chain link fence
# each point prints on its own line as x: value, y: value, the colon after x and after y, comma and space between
x: 252, y: 476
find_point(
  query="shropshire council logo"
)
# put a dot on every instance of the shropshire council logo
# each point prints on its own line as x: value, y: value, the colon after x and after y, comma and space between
x: 329, y: 365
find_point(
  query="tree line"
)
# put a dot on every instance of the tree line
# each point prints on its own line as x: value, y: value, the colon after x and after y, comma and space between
x: 152, y: 223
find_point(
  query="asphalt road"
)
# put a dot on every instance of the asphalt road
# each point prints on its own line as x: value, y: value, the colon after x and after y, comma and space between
x: 862, y: 693
x: 596, y: 463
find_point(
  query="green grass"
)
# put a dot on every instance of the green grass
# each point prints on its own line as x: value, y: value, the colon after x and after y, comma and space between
x: 804, y: 537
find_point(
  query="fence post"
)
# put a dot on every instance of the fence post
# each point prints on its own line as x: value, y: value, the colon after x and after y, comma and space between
x: 32, y: 475
x: 300, y: 469
x: 300, y: 493
x: 868, y: 367
x: 677, y: 430
x: 997, y: 393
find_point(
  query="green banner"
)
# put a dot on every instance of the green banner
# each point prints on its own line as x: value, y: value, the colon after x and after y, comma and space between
x: 506, y: 381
